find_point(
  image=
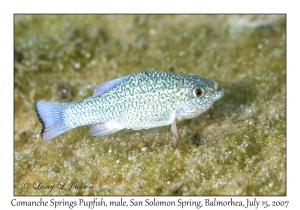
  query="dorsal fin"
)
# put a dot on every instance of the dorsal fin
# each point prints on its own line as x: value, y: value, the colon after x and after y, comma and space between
x: 106, y: 86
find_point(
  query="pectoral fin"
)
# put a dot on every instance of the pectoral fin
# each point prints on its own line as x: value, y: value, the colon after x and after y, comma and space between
x: 175, y: 134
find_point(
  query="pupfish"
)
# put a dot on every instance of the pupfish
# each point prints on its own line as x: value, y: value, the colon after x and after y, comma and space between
x: 136, y: 101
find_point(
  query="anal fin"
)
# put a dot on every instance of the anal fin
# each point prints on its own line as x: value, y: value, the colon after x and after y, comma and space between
x: 102, y: 129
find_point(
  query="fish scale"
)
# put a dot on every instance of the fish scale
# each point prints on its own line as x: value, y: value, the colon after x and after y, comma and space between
x: 137, y: 101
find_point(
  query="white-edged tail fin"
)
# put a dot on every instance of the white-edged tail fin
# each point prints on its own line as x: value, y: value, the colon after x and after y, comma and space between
x: 50, y: 115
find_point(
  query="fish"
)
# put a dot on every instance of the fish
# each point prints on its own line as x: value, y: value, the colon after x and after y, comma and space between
x: 137, y: 101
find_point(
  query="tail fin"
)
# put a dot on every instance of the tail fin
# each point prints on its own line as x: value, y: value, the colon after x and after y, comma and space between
x: 51, y: 116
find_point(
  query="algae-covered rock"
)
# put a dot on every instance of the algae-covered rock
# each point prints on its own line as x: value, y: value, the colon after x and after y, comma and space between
x: 238, y: 147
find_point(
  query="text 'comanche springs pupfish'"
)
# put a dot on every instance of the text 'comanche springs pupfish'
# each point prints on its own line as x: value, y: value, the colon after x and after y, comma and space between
x: 137, y: 101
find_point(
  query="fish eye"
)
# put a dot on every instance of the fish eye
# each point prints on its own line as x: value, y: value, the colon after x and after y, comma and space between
x: 198, y: 92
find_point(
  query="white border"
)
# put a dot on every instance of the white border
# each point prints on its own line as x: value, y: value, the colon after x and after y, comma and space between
x: 154, y: 6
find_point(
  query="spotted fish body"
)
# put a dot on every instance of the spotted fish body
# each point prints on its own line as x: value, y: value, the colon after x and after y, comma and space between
x: 138, y: 101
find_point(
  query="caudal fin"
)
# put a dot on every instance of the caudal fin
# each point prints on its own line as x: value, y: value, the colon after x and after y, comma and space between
x: 51, y: 117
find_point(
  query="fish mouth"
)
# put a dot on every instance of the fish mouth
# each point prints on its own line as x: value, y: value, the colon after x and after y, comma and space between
x: 219, y: 92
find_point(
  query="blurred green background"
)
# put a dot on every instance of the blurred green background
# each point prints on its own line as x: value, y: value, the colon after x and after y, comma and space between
x: 237, y: 147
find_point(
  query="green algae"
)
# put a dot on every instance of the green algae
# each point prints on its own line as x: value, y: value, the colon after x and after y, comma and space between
x: 238, y: 147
